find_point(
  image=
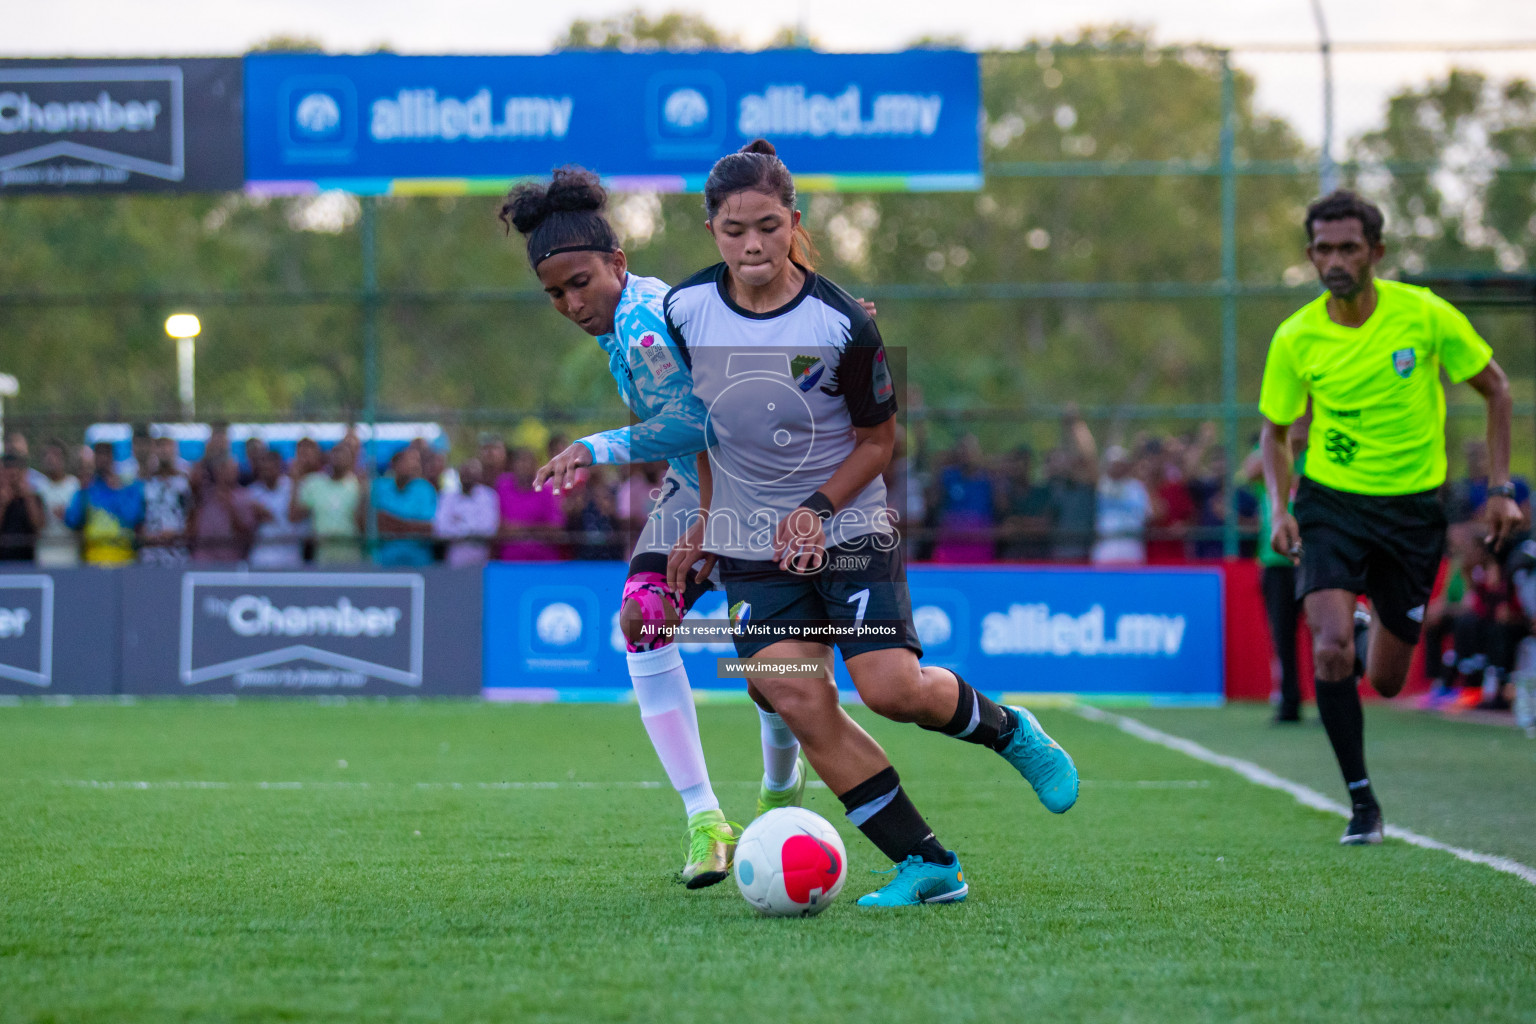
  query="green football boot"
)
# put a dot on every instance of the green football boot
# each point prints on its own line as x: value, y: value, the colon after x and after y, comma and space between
x: 711, y: 843
x: 794, y: 796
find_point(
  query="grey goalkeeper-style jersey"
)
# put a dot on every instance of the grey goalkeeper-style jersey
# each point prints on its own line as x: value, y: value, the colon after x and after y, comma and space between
x: 783, y: 391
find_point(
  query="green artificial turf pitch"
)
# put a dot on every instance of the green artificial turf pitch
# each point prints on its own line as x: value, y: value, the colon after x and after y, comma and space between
x: 390, y: 884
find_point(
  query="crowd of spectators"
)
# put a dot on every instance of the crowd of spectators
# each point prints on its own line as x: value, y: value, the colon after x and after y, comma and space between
x: 1477, y: 628
x: 1153, y: 500
x: 74, y: 505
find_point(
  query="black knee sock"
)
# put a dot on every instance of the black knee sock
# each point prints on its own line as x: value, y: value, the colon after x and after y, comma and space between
x: 1338, y: 705
x: 884, y: 813
x: 977, y: 719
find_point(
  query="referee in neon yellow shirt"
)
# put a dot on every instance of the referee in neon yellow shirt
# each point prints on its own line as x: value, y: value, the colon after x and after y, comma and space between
x: 1368, y: 518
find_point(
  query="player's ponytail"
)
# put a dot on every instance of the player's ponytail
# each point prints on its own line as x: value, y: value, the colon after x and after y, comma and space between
x: 756, y: 167
x: 566, y: 215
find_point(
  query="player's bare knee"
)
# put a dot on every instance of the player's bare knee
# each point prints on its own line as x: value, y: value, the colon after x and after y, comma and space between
x: 760, y: 698
x: 897, y: 699
x: 1389, y: 686
x: 794, y: 700
x: 1334, y: 655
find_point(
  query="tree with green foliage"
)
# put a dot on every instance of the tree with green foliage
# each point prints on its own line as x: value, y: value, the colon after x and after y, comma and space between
x: 1469, y: 200
x: 453, y: 338
x: 637, y: 32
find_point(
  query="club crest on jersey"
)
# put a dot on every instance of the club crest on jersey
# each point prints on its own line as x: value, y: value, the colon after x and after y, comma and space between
x: 1403, y: 361
x: 807, y: 371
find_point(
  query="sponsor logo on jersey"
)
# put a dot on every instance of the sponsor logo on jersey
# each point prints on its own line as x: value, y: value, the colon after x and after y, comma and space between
x: 657, y: 357
x: 1403, y: 361
x: 882, y: 378
x: 807, y: 371
x: 1341, y: 448
x: 740, y: 612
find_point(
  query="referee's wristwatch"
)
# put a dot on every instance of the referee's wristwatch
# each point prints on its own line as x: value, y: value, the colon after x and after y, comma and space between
x: 1505, y: 490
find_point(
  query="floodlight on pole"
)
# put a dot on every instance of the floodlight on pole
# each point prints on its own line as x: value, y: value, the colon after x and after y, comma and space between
x: 1327, y: 170
x: 8, y: 387
x: 185, y: 328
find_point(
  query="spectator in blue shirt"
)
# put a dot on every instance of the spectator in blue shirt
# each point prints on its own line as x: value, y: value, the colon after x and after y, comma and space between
x: 108, y: 513
x: 968, y: 501
x: 1469, y: 494
x: 405, y: 504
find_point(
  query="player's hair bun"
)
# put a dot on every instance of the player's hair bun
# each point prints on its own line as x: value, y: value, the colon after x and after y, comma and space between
x: 570, y: 190
x: 762, y: 146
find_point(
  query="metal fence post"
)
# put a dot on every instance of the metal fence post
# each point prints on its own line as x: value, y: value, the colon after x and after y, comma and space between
x: 1229, y: 408
x: 370, y: 301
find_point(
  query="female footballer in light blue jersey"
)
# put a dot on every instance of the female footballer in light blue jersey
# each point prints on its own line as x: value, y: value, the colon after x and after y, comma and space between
x: 575, y: 253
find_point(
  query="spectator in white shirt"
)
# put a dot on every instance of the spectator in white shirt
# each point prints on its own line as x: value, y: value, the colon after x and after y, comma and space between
x: 468, y: 518
x: 279, y: 541
x: 57, y: 546
x: 1123, y: 510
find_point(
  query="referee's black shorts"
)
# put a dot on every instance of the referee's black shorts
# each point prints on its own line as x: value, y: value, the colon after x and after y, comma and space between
x: 1387, y: 547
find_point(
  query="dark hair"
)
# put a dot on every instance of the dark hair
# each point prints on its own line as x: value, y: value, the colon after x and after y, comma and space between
x: 566, y: 214
x: 756, y: 167
x: 1342, y: 204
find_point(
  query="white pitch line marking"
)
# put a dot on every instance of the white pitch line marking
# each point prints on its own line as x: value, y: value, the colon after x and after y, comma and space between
x: 339, y: 784
x: 1303, y: 795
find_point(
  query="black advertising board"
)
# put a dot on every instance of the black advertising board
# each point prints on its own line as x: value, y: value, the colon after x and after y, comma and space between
x: 392, y: 633
x: 171, y: 125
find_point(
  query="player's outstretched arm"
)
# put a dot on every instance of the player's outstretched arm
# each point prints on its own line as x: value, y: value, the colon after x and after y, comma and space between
x: 563, y: 472
x: 1503, y: 513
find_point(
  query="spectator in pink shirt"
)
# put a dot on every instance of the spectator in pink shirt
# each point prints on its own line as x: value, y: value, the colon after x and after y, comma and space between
x: 531, y: 521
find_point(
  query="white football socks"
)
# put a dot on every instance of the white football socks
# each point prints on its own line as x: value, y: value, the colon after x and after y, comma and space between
x: 780, y: 752
x: 666, y: 709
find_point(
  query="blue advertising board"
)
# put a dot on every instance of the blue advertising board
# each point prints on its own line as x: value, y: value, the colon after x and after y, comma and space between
x: 395, y: 124
x: 1130, y: 636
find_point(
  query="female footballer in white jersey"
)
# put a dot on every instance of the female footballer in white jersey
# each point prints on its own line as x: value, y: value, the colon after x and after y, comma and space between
x: 801, y: 425
x: 573, y: 250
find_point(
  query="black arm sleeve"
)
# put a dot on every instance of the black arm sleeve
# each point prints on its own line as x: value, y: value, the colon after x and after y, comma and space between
x: 864, y: 378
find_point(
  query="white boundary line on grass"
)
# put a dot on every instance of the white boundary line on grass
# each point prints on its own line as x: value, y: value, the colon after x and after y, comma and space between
x: 1302, y: 794
x: 341, y: 784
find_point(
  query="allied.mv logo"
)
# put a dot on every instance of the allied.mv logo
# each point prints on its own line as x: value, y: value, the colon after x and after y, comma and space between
x: 317, y: 116
x: 685, y: 114
x: 558, y: 625
x: 686, y: 111
x: 934, y: 628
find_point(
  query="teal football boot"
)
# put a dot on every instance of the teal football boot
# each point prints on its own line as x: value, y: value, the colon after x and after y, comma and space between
x: 918, y: 882
x: 1043, y: 763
